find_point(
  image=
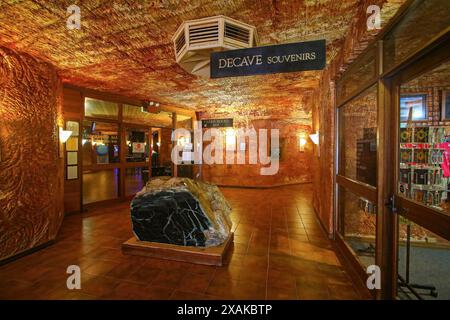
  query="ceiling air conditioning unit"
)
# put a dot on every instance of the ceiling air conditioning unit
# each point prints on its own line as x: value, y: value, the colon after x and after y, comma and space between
x: 196, y: 39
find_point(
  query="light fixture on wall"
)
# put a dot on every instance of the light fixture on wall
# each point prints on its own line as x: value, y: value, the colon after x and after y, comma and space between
x: 301, y: 143
x: 230, y: 139
x: 315, y: 137
x: 64, y: 135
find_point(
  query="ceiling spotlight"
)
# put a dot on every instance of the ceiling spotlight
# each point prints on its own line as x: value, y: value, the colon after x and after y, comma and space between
x: 151, y: 103
x: 157, y: 104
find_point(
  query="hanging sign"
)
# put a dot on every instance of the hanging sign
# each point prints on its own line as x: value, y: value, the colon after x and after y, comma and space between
x: 217, y: 123
x: 291, y: 57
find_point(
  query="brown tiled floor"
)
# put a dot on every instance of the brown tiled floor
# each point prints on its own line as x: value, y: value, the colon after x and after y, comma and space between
x: 279, y: 252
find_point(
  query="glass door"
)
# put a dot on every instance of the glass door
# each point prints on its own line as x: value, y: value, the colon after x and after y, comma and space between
x: 357, y: 217
x: 137, y: 153
x: 357, y: 175
x: 101, y: 161
x: 422, y: 178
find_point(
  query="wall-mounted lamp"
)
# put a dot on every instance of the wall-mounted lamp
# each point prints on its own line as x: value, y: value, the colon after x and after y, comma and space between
x: 230, y: 138
x: 302, y: 143
x: 64, y: 135
x: 315, y: 137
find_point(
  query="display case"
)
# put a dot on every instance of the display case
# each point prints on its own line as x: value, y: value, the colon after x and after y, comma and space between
x: 423, y: 160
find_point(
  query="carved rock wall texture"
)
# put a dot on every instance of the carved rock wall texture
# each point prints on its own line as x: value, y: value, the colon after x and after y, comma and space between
x: 30, y: 169
x: 322, y: 167
x: 294, y: 166
x: 124, y: 47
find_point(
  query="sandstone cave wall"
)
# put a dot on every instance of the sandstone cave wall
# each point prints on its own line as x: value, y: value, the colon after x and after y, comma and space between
x: 294, y: 166
x: 31, y: 182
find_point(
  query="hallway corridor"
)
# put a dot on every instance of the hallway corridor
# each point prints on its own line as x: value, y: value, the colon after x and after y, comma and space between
x: 280, y: 252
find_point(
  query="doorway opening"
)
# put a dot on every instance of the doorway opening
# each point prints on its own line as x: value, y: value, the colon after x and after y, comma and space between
x: 122, y: 147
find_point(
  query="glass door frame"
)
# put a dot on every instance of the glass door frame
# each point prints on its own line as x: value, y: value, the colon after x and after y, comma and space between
x: 122, y: 165
x: 100, y: 167
x: 437, y: 222
x: 387, y: 133
x: 123, y: 161
x: 359, y: 188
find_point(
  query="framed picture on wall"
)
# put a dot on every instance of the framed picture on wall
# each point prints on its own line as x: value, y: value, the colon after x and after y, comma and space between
x: 74, y: 127
x: 413, y: 107
x: 72, y: 144
x: 72, y: 158
x: 72, y: 172
x: 445, y: 105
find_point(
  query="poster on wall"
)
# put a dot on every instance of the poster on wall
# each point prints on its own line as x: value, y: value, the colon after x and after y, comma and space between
x: 72, y: 158
x: 72, y: 172
x: 413, y: 107
x: 74, y: 127
x: 72, y: 144
x: 101, y: 149
x: 138, y: 147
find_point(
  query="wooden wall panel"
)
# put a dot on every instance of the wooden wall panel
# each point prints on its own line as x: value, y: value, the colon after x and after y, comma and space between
x: 72, y: 108
x: 72, y: 104
x: 30, y: 168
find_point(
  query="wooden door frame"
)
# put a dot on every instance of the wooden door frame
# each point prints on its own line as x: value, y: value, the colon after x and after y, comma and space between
x: 122, y: 126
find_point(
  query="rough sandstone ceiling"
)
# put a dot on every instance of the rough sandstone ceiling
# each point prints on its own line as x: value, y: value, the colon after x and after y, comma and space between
x: 124, y: 47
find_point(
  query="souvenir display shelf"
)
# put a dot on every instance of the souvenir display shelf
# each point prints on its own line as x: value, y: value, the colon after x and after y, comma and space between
x: 422, y: 154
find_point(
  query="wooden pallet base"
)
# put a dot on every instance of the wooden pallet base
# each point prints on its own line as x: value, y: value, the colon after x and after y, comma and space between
x: 213, y: 256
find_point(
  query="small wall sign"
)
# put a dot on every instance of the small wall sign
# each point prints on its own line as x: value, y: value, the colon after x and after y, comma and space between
x: 217, y: 123
x: 138, y: 147
x: 291, y: 57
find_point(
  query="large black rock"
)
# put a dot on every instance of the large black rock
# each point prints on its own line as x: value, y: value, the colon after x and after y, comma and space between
x: 181, y: 211
x: 169, y: 216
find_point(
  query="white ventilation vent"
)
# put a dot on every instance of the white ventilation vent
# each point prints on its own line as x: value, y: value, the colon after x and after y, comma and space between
x: 204, y: 34
x: 236, y: 35
x: 180, y: 43
x: 196, y: 39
